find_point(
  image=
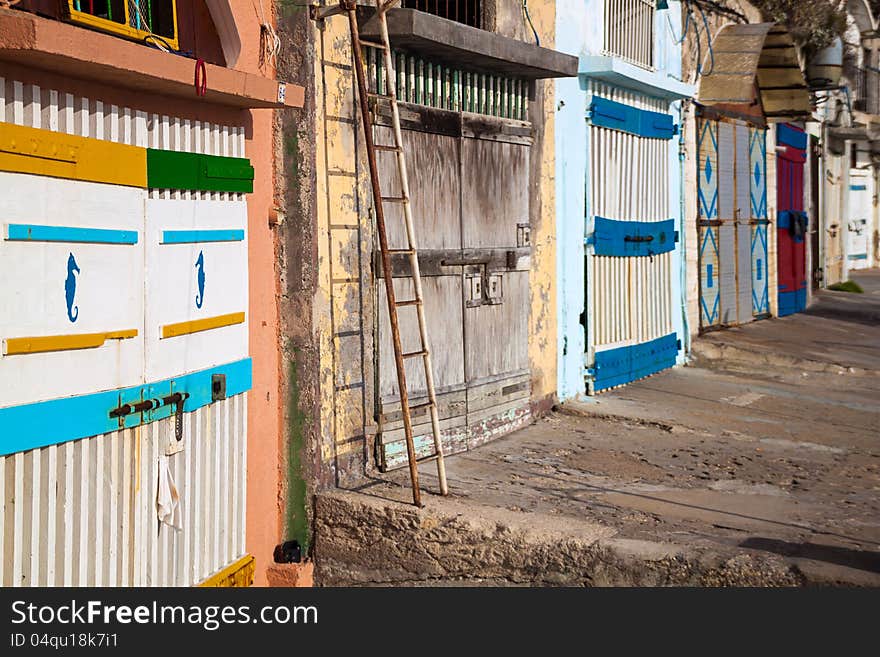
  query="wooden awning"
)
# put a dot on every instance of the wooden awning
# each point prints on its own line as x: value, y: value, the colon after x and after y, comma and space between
x: 761, y: 54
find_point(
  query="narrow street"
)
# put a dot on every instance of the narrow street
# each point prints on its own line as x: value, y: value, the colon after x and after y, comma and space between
x: 758, y: 464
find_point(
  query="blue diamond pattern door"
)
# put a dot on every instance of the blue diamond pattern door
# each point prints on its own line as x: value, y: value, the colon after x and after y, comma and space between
x: 707, y: 192
x: 758, y: 160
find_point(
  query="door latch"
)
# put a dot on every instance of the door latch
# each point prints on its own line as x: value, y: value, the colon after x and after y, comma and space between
x: 177, y: 399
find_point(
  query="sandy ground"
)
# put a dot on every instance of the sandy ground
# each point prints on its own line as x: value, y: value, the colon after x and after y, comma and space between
x: 767, y: 445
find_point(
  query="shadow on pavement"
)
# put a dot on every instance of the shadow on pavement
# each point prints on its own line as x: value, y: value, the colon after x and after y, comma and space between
x: 860, y: 559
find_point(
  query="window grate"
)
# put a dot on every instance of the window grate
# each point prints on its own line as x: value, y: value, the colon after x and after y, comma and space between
x: 433, y: 84
x: 629, y: 31
x: 469, y: 12
x: 152, y: 21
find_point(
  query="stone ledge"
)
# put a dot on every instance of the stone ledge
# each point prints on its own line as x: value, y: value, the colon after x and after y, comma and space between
x: 454, y: 542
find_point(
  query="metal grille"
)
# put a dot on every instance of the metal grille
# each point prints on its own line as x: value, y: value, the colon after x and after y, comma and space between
x: 866, y: 90
x: 629, y: 31
x: 423, y: 82
x: 469, y: 12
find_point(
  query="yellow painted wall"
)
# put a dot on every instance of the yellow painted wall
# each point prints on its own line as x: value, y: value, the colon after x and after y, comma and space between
x: 343, y: 227
x: 542, y: 281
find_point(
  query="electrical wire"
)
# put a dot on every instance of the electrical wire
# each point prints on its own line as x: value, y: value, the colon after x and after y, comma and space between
x: 270, y: 43
x: 525, y: 7
x: 708, y: 43
x: 684, y: 30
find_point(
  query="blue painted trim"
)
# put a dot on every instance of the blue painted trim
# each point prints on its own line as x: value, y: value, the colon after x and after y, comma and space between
x: 194, y: 236
x: 792, y: 302
x: 615, y: 367
x: 858, y: 188
x: 38, y: 233
x: 626, y: 118
x: 785, y: 134
x: 59, y: 420
x: 858, y: 256
x: 623, y: 238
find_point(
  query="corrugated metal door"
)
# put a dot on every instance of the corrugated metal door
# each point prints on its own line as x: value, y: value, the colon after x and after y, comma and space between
x: 120, y: 291
x: 732, y: 209
x: 631, y: 240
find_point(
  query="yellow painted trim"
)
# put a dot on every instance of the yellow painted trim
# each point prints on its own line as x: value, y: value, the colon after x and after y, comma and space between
x: 236, y: 575
x: 196, y: 325
x: 121, y: 29
x: 40, y: 344
x: 47, y: 153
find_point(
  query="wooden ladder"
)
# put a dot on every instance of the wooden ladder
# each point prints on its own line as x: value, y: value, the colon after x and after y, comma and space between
x: 417, y: 302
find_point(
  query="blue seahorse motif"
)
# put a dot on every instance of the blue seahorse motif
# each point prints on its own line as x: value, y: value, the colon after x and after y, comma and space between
x: 70, y: 288
x: 200, y: 265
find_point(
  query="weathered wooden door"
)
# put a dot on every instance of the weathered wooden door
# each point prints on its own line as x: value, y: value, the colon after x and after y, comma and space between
x: 470, y: 206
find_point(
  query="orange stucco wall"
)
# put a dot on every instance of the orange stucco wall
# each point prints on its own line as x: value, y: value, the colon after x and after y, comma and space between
x: 263, y: 516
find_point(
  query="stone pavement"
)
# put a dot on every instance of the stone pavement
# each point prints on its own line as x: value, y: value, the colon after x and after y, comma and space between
x: 758, y: 464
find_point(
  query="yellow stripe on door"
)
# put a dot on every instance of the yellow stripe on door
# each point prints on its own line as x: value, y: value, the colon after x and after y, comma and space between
x: 41, y: 344
x: 196, y: 325
x: 46, y: 153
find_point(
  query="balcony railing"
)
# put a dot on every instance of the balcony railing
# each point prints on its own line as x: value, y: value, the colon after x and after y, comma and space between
x: 629, y: 31
x: 865, y: 90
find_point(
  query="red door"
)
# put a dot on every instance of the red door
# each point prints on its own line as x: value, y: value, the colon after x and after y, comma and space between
x: 791, y: 221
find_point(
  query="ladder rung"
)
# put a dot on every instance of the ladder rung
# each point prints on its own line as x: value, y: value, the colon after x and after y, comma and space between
x: 373, y: 44
x: 428, y: 459
x: 395, y: 199
x: 408, y: 302
x: 414, y: 354
x: 373, y: 94
x: 387, y: 147
x: 418, y: 407
x: 401, y: 251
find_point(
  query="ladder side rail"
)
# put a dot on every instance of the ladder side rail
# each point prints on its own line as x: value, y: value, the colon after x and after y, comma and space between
x: 383, y: 246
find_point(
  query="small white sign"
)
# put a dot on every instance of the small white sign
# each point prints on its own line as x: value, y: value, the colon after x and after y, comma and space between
x: 282, y: 92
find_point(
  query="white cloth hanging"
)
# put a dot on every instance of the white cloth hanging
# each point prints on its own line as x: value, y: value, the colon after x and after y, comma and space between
x: 167, y: 497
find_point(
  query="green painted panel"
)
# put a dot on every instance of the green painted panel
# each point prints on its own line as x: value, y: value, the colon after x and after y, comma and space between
x: 197, y: 172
